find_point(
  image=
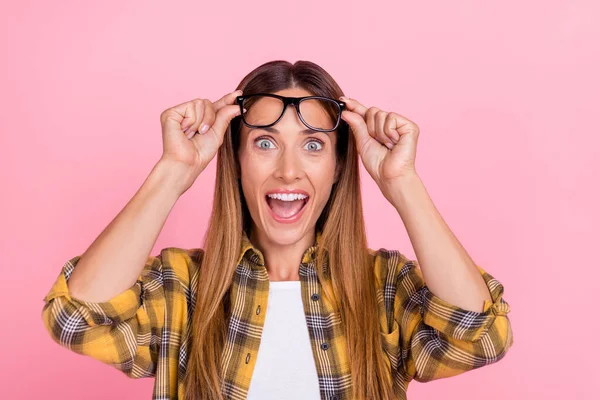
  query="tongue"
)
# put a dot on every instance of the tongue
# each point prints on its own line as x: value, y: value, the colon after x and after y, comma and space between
x: 285, y: 209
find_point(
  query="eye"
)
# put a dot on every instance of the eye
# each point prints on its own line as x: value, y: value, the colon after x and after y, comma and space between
x: 263, y: 143
x: 314, y: 145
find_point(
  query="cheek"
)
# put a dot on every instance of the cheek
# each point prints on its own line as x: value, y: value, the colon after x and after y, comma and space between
x: 249, y: 190
x: 250, y: 186
x: 322, y: 178
x: 322, y: 169
x: 253, y: 176
x: 255, y: 170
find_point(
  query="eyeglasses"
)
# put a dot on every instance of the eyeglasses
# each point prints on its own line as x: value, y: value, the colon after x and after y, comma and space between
x: 266, y: 109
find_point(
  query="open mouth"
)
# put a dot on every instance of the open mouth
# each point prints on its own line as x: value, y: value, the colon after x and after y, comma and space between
x: 286, y: 207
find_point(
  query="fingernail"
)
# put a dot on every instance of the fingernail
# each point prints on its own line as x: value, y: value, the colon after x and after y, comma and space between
x: 204, y: 128
x: 389, y: 145
x: 342, y: 98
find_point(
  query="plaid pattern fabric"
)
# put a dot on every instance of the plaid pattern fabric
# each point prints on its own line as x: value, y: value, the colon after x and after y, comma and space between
x: 144, y: 331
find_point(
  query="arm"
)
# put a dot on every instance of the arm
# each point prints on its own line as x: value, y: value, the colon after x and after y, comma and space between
x: 114, y: 261
x: 448, y: 269
x: 109, y: 303
x: 458, y: 321
x: 451, y: 314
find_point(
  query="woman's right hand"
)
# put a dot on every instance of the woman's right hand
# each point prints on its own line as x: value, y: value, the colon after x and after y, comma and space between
x: 184, y: 143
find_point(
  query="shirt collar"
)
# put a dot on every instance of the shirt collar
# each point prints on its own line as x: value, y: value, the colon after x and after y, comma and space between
x: 255, y: 255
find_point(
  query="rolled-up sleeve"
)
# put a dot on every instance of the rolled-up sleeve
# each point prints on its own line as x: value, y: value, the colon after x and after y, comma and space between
x: 123, y: 332
x: 439, y: 339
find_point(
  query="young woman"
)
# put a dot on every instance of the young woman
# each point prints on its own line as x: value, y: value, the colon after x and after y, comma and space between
x: 284, y: 300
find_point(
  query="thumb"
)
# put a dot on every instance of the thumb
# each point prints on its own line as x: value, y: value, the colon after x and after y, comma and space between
x: 358, y: 127
x: 223, y: 118
x: 229, y: 98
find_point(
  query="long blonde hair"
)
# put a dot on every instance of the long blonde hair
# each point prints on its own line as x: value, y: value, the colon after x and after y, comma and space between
x: 343, y: 241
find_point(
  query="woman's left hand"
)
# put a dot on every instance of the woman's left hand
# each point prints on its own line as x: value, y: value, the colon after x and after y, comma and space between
x: 386, y: 142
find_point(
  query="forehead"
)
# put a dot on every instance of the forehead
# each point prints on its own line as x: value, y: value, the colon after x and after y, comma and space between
x: 294, y: 92
x: 266, y: 106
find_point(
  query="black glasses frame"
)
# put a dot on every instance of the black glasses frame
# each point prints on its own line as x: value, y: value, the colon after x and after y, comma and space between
x: 296, y: 102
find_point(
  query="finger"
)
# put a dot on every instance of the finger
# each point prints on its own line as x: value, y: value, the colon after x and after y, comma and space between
x: 228, y: 99
x: 208, y: 118
x: 390, y: 128
x: 191, y: 130
x: 386, y: 138
x: 354, y: 106
x: 179, y: 117
x: 358, y: 127
x: 401, y: 121
x: 222, y: 120
x: 189, y: 117
x: 370, y: 121
x: 403, y: 125
x: 200, y: 109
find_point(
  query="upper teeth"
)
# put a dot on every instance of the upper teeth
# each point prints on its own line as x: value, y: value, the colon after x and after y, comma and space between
x: 287, y: 196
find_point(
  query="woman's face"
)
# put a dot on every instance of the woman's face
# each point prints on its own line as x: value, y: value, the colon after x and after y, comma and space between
x: 286, y: 158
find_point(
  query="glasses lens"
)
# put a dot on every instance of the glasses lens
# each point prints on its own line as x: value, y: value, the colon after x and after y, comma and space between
x: 319, y: 113
x: 262, y: 110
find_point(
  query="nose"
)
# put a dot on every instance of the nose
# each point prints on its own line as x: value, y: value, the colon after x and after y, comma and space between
x: 288, y: 168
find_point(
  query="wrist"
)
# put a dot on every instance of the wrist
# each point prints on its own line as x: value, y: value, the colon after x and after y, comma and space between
x: 403, y: 189
x: 395, y: 191
x: 171, y: 176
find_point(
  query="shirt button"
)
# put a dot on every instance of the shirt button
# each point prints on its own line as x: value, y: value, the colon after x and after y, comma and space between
x: 314, y: 297
x: 324, y: 346
x: 258, y: 310
x: 247, y: 358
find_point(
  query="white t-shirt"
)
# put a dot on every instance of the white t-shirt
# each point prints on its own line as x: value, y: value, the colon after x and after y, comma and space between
x: 285, y: 368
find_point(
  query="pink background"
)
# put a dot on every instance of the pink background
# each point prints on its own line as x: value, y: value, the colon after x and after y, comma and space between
x: 506, y: 95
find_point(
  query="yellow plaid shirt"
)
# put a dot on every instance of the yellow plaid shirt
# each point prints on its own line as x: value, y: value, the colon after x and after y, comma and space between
x: 144, y: 331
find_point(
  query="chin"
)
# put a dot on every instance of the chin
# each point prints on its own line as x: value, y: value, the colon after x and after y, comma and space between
x: 286, y: 235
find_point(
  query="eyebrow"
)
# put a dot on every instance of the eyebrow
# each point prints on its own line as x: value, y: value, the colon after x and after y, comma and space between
x: 307, y: 131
